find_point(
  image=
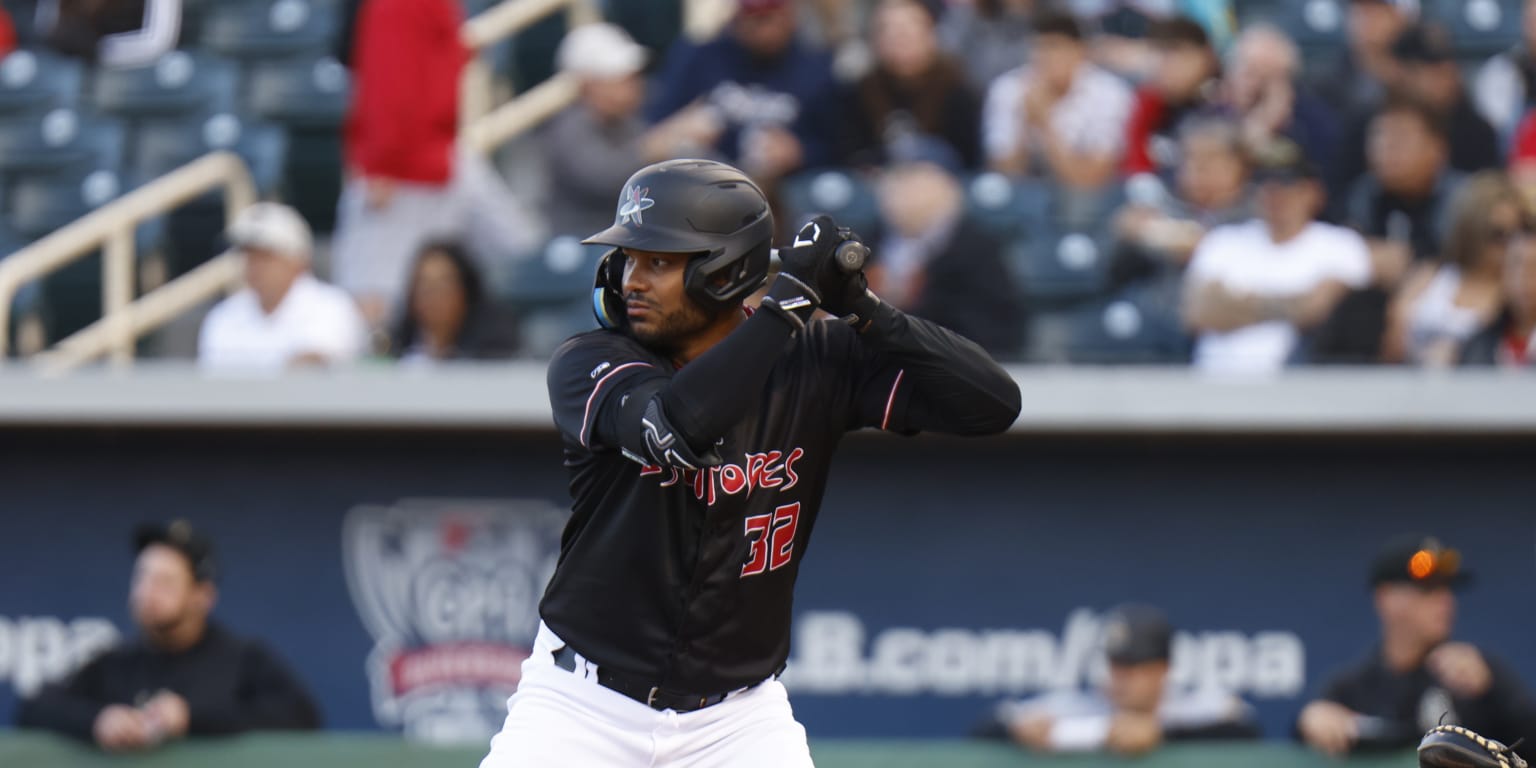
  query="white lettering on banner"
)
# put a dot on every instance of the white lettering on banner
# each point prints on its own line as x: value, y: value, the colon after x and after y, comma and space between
x: 830, y: 658
x: 36, y: 650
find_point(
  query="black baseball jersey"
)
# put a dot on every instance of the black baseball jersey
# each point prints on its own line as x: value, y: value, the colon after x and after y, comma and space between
x: 684, y: 577
x: 1406, y: 704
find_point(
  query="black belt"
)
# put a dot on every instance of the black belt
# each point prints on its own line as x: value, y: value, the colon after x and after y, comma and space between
x: 653, y: 696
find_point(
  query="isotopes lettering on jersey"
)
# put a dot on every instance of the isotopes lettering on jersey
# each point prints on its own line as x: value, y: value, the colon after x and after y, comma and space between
x: 770, y: 470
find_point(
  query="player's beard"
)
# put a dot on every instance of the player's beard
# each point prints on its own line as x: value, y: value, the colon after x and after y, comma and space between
x: 668, y: 332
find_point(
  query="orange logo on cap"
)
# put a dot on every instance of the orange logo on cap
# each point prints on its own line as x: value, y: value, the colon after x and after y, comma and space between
x: 1421, y: 565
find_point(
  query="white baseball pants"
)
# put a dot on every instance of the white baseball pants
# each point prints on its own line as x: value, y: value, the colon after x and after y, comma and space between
x: 559, y: 718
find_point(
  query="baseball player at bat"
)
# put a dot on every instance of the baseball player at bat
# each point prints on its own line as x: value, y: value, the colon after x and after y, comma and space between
x: 698, y: 435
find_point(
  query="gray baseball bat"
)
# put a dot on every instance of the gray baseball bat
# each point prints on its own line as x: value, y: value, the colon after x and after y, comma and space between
x: 850, y: 256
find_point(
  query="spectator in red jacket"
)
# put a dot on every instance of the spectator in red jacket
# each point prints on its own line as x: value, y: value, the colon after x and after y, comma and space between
x: 7, y: 33
x: 407, y: 182
x: 1182, y: 82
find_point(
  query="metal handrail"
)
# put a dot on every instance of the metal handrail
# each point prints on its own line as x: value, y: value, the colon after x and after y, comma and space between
x: 477, y: 118
x: 113, y: 225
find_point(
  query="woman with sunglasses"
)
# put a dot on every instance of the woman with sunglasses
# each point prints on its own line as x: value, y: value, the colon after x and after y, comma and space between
x: 1444, y: 304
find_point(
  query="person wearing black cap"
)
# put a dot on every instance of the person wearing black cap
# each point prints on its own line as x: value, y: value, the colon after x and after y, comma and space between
x: 1417, y: 677
x: 186, y: 676
x: 1252, y: 289
x: 1137, y: 709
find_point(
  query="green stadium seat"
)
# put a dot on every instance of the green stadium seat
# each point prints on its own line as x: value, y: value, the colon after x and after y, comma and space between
x: 166, y: 144
x: 1478, y: 28
x: 845, y: 197
x: 178, y: 83
x: 1134, y: 327
x: 312, y: 90
x: 255, y: 29
x: 59, y: 138
x: 34, y: 81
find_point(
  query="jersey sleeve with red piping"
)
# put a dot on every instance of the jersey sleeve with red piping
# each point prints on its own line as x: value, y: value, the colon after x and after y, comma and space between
x: 910, y: 375
x: 589, y: 377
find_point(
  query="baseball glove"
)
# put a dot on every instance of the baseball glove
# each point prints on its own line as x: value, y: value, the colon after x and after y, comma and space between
x: 1451, y: 746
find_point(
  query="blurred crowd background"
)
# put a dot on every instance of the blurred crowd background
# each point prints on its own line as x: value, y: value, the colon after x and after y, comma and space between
x: 1237, y: 185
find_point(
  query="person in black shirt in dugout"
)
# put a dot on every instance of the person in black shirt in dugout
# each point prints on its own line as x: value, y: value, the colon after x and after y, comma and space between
x: 698, y: 435
x: 1417, y: 677
x: 185, y: 676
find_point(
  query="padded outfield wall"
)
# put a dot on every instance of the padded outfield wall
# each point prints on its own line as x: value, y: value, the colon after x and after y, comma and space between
x: 388, y: 535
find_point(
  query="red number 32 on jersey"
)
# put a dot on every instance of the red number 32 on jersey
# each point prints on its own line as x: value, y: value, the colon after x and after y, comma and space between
x: 772, y: 538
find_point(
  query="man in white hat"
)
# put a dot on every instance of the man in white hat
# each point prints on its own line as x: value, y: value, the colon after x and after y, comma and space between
x: 595, y: 144
x: 284, y: 317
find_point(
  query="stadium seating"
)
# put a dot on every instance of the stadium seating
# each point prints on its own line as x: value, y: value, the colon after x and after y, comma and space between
x: 163, y: 145
x: 560, y: 275
x: 34, y: 81
x: 42, y: 202
x: 1006, y: 208
x: 1478, y: 28
x: 59, y: 138
x: 1055, y: 268
x: 250, y: 29
x: 839, y: 194
x: 1315, y: 25
x: 1138, y: 326
x: 178, y: 83
x: 311, y: 90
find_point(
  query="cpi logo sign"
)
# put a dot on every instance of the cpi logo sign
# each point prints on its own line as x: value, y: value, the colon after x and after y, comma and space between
x: 450, y: 592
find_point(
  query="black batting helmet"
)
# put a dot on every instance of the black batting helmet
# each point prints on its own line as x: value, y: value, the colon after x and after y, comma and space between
x: 698, y: 207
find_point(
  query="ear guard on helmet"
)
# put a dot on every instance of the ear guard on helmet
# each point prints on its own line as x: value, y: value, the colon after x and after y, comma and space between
x: 608, y: 291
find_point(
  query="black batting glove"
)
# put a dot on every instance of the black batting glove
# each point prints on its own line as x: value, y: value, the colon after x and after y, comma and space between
x: 847, y: 293
x: 804, y: 268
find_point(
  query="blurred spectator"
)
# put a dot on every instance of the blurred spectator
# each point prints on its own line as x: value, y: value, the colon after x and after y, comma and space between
x: 775, y: 97
x: 1443, y: 305
x: 112, y: 33
x: 1183, y: 82
x: 284, y: 317
x: 1157, y: 237
x: 936, y: 264
x: 915, y: 88
x: 7, y: 34
x: 1505, y: 86
x: 1402, y: 206
x: 989, y: 36
x: 1403, y: 203
x: 1430, y: 75
x: 1253, y: 289
x: 448, y: 316
x: 186, y: 676
x: 406, y: 180
x: 1357, y: 80
x: 1510, y: 340
x: 1138, y: 709
x: 1061, y: 115
x: 595, y: 144
x: 1417, y: 677
x: 1261, y: 86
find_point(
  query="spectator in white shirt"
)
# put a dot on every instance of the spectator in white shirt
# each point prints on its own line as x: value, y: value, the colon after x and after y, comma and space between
x: 1253, y: 288
x: 1138, y: 709
x: 284, y: 317
x: 1060, y: 115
